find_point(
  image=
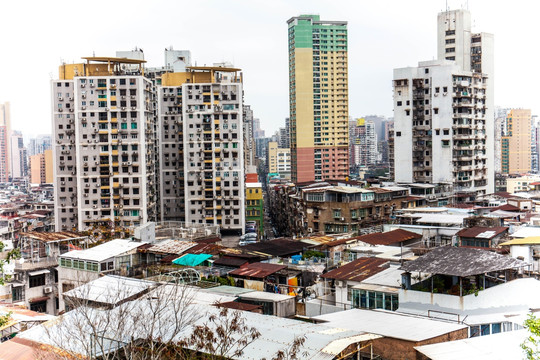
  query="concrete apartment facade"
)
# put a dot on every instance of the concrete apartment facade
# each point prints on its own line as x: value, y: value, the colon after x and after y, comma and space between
x: 201, y: 148
x: 444, y: 123
x: 279, y: 160
x: 41, y: 168
x: 516, y: 144
x: 318, y: 98
x: 103, y: 130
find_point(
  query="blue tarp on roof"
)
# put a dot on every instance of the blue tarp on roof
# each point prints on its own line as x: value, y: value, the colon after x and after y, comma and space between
x: 192, y: 259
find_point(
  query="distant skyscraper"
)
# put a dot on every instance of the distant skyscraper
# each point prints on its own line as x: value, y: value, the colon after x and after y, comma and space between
x: 283, y: 136
x: 257, y: 131
x: 5, y: 141
x: 444, y: 122
x: 535, y: 150
x: 18, y: 160
x: 318, y: 98
x: 516, y: 142
x: 363, y: 143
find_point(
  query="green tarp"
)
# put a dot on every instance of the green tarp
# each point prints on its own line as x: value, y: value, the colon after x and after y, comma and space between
x: 192, y: 259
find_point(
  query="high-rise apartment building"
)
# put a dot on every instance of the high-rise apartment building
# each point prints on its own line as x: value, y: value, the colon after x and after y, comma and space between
x: 363, y: 140
x: 535, y: 149
x: 279, y: 160
x: 18, y: 157
x: 318, y: 98
x: 39, y: 144
x: 283, y: 137
x: 41, y: 168
x: 103, y: 150
x: 516, y: 142
x: 443, y: 109
x: 5, y: 141
x: 200, y: 116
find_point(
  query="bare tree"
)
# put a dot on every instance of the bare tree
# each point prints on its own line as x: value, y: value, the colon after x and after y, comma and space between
x: 164, y: 323
x: 112, y: 326
x: 223, y: 335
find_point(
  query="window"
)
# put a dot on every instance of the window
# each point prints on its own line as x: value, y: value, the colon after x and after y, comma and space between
x: 399, y: 103
x: 38, y: 280
x: 446, y: 132
x: 398, y: 133
x: 337, y: 213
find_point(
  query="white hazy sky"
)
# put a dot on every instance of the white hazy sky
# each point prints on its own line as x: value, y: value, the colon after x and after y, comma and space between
x: 252, y: 34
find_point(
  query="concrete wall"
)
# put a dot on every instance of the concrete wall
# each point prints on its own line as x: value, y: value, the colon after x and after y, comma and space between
x: 518, y: 295
x: 390, y: 348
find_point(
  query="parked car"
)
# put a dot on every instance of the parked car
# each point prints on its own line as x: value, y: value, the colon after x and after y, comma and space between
x: 249, y: 236
x: 246, y: 242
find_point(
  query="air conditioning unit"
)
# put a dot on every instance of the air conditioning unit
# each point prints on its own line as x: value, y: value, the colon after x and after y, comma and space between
x: 60, y: 110
x: 94, y: 206
x: 83, y: 85
x: 60, y: 99
x: 70, y: 99
x: 92, y: 85
x: 339, y: 283
x: 47, y: 289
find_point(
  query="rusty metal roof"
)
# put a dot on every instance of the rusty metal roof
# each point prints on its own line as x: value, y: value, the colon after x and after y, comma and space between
x: 230, y: 261
x: 235, y: 305
x: 278, y: 247
x: 171, y: 247
x: 389, y: 237
x: 258, y: 270
x: 460, y: 261
x: 358, y: 270
x: 51, y: 236
x: 482, y: 232
x: 205, y: 248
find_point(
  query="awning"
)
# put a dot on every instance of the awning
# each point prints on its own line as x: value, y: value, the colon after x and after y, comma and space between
x: 39, y: 272
x: 192, y: 259
x: 39, y: 299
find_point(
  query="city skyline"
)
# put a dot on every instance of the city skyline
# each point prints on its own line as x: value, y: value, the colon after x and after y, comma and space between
x: 255, y: 40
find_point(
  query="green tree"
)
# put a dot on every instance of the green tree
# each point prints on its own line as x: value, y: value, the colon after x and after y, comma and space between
x: 531, y: 345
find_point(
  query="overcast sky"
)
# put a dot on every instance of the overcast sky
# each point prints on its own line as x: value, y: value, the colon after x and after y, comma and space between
x: 252, y: 34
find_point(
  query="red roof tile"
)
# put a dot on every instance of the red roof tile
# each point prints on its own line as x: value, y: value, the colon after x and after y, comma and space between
x: 357, y: 270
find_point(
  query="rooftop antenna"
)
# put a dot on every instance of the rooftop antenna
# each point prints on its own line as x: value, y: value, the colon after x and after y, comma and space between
x: 94, y: 53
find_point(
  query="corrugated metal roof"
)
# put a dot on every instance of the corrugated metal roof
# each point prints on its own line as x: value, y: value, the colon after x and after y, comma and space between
x: 51, y: 236
x: 171, y: 247
x: 110, y: 289
x: 104, y: 251
x: 531, y: 240
x: 456, y: 219
x: 482, y: 232
x: 459, y: 261
x: 357, y: 270
x: 389, y: 237
x: 390, y: 324
x: 258, y: 270
x: 230, y: 261
x: 277, y: 247
x: 321, y: 342
x: 503, y: 346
